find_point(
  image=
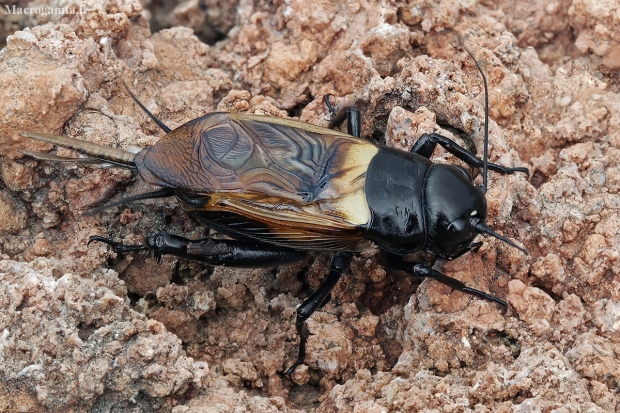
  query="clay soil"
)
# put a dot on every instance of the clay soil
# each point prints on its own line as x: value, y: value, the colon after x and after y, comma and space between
x: 84, y: 329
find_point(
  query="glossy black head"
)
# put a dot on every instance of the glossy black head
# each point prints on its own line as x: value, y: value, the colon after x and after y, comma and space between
x: 454, y: 207
x: 455, y: 211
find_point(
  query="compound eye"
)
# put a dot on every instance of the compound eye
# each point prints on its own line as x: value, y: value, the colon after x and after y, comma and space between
x: 456, y: 227
x: 464, y: 172
x: 460, y: 229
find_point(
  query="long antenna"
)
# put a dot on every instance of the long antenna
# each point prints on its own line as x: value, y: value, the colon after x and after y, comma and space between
x: 485, y: 158
x: 481, y: 228
x: 157, y: 121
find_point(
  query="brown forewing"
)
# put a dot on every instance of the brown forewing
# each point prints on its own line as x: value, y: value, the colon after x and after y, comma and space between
x: 302, y: 184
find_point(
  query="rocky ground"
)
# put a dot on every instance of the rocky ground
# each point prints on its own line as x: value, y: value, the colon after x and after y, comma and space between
x: 82, y: 329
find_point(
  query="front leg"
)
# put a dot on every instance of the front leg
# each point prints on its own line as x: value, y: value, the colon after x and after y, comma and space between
x: 425, y: 146
x: 474, y: 246
x: 211, y: 251
x: 424, y: 271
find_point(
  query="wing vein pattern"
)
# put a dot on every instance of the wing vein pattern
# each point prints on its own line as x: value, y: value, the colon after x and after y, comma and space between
x: 273, y: 180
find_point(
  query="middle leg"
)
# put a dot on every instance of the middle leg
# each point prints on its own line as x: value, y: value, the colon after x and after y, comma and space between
x: 340, y: 263
x: 354, y: 121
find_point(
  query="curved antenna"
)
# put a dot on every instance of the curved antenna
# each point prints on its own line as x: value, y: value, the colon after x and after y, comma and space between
x: 485, y: 159
x: 481, y: 228
x: 157, y: 121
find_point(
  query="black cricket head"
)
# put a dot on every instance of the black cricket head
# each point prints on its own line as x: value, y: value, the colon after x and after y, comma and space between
x: 456, y: 211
